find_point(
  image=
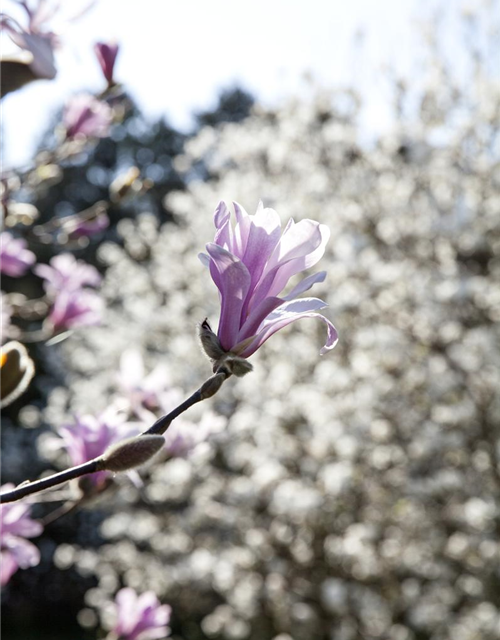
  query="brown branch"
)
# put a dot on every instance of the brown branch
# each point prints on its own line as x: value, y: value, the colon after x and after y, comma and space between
x: 207, y: 390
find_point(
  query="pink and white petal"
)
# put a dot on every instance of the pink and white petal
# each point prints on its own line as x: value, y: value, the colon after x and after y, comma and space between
x: 163, y: 614
x: 24, y: 553
x: 127, y: 611
x: 157, y: 634
x: 300, y: 247
x: 299, y: 305
x: 241, y: 230
x: 43, y: 271
x: 298, y: 240
x: 224, y: 231
x: 263, y: 237
x: 207, y: 261
x: 224, y: 236
x: 306, y: 284
x: 12, y: 513
x: 204, y: 259
x: 73, y: 442
x: 256, y: 318
x: 8, y: 566
x: 234, y: 284
x: 291, y: 267
x: 126, y: 598
x: 285, y: 315
x: 147, y: 601
x: 221, y: 215
x: 20, y: 524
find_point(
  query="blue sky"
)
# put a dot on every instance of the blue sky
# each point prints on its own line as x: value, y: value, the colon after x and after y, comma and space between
x: 176, y: 56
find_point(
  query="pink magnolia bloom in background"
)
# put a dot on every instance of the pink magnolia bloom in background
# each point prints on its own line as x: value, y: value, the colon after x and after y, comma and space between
x: 15, y: 526
x: 140, y: 617
x: 78, y: 227
x: 66, y: 273
x: 72, y: 309
x: 87, y: 117
x: 106, y: 55
x: 183, y: 437
x: 73, y: 306
x: 251, y: 263
x: 90, y: 436
x: 35, y: 38
x: 143, y: 390
x: 15, y: 259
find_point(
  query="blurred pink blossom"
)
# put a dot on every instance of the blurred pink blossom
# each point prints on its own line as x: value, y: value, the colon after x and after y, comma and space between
x: 149, y: 391
x: 72, y: 309
x: 83, y: 228
x: 15, y: 526
x: 73, y: 306
x: 184, y: 437
x: 15, y: 259
x: 106, y: 55
x: 87, y: 117
x: 64, y: 273
x: 35, y: 39
x: 140, y: 617
x: 89, y: 436
x: 251, y: 263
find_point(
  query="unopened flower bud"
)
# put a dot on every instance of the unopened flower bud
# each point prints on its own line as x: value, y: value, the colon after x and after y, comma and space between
x: 210, y: 342
x: 131, y: 453
x: 232, y: 365
x: 212, y: 385
x: 240, y: 367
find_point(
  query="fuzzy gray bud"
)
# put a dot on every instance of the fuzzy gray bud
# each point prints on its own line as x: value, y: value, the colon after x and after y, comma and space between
x: 233, y: 365
x: 210, y: 342
x: 212, y: 385
x: 130, y: 453
x: 239, y: 367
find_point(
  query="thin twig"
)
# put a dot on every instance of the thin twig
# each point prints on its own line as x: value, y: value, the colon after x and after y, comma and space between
x: 63, y: 510
x: 27, y: 488
x: 207, y: 390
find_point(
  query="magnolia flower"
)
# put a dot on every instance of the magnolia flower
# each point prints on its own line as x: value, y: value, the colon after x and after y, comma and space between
x: 145, y: 392
x: 183, y: 438
x: 251, y: 263
x: 87, y: 117
x: 73, y: 306
x: 15, y: 526
x: 140, y: 617
x: 80, y: 227
x: 72, y: 309
x: 106, y: 55
x: 90, y: 436
x: 67, y: 274
x: 15, y: 259
x: 35, y: 40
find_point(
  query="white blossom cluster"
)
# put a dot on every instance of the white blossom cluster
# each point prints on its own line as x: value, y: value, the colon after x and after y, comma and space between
x: 352, y: 496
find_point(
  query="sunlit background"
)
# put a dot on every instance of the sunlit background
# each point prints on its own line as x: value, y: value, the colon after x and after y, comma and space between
x: 175, y: 59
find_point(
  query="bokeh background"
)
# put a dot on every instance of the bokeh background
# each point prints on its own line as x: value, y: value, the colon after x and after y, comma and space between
x: 343, y: 497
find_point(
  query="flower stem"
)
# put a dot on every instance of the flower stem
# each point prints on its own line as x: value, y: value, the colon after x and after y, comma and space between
x: 207, y: 390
